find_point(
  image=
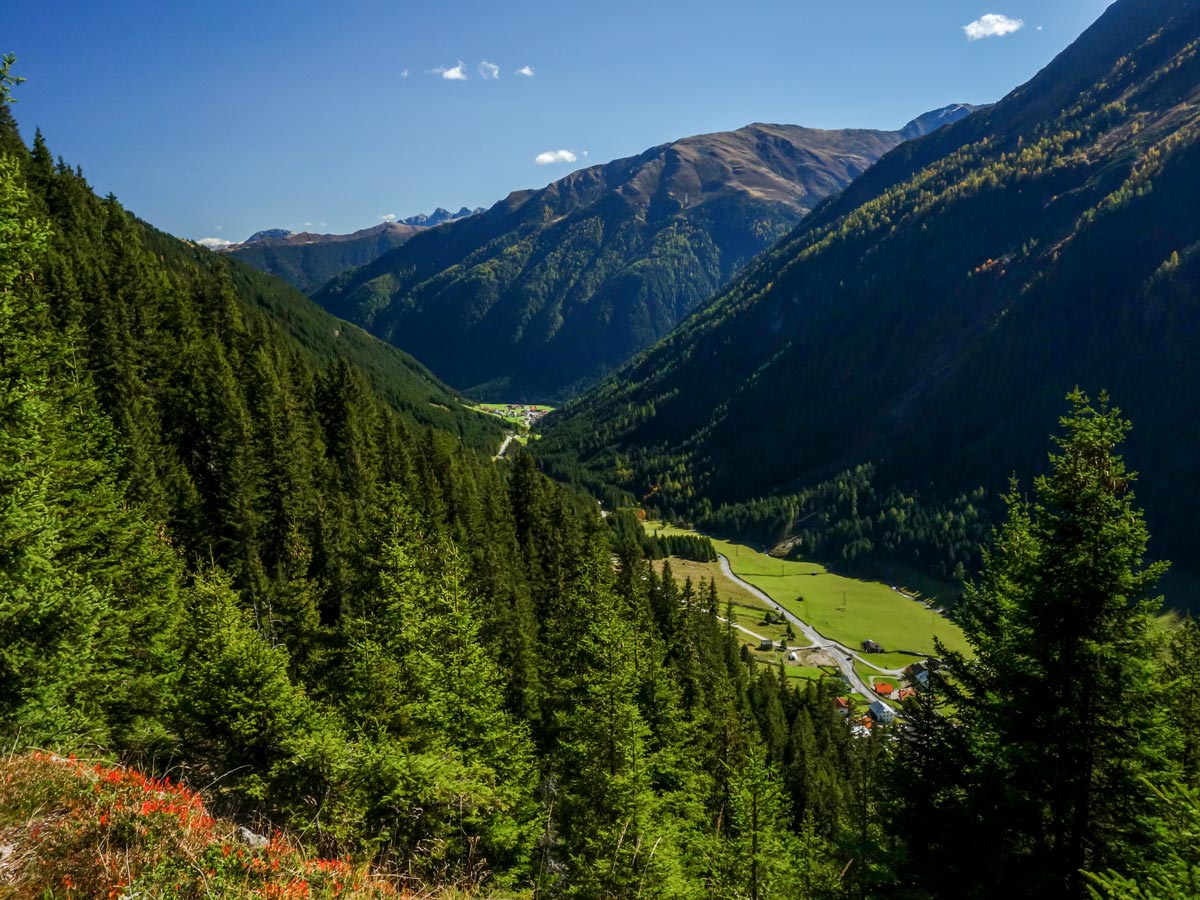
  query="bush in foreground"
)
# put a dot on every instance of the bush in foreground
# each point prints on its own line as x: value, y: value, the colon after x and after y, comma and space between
x: 76, y: 829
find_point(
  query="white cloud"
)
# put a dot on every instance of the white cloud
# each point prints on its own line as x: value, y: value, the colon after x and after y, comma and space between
x: 555, y: 156
x: 213, y: 243
x: 992, y: 25
x: 387, y: 217
x: 585, y: 154
x: 404, y: 72
x: 527, y: 71
x: 457, y: 73
x: 219, y: 227
x: 489, y: 71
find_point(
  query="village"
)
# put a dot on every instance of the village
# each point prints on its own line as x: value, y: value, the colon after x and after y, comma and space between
x: 522, y: 415
x: 897, y: 687
x: 878, y: 679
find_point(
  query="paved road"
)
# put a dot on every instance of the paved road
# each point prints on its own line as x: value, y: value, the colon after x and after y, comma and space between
x: 508, y: 439
x: 843, y: 656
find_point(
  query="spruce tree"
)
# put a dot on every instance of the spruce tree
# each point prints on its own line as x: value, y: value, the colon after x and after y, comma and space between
x: 1060, y: 700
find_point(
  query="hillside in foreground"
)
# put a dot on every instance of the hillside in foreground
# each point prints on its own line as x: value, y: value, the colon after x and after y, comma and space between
x: 70, y: 828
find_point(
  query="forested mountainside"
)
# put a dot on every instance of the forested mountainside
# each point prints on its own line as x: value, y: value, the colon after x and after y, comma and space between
x: 901, y: 349
x: 224, y: 554
x: 306, y: 261
x: 228, y: 559
x: 549, y: 289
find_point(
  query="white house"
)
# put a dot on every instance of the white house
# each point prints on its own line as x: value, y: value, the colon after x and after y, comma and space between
x: 881, y: 712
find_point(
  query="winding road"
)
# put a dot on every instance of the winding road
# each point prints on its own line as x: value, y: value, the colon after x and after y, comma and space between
x: 843, y: 656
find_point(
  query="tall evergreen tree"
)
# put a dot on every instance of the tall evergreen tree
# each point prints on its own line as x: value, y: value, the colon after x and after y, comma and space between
x: 1060, y: 700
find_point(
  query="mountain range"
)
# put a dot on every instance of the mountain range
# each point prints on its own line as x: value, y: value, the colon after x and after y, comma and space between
x: 306, y: 260
x: 929, y: 320
x: 551, y: 288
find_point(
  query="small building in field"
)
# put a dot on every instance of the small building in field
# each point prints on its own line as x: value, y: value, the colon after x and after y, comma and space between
x: 869, y: 646
x: 765, y: 645
x: 881, y: 712
x: 885, y: 689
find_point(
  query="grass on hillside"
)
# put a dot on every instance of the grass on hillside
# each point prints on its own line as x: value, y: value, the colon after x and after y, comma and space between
x: 748, y: 611
x: 76, y: 829
x: 727, y: 591
x: 847, y: 610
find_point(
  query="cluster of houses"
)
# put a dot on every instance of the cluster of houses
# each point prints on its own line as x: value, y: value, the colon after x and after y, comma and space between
x: 878, y: 712
x: 525, y: 413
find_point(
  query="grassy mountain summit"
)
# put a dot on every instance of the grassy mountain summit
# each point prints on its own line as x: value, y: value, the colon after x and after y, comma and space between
x: 926, y: 318
x: 551, y: 288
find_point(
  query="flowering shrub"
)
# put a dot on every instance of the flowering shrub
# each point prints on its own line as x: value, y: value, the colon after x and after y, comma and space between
x: 76, y: 829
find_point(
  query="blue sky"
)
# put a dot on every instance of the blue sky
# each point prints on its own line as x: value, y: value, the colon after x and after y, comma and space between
x: 217, y: 120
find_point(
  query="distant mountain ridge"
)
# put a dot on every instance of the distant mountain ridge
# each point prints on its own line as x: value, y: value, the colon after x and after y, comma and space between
x: 307, y: 260
x: 930, y: 319
x: 551, y: 288
x: 268, y: 234
x: 440, y: 216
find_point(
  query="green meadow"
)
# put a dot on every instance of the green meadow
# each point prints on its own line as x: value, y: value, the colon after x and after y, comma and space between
x: 847, y: 610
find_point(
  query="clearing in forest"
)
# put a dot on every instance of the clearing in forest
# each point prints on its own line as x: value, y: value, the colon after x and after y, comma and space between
x: 843, y: 609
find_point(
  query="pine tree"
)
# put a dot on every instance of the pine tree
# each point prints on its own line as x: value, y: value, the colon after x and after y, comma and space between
x: 1060, y: 699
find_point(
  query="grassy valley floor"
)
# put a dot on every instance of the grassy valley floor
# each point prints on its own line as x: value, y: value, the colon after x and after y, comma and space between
x: 846, y: 610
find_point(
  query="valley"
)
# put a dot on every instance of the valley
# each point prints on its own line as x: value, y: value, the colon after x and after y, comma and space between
x: 776, y: 513
x: 834, y: 614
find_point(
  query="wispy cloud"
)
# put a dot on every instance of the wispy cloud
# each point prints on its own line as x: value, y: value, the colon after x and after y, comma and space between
x: 457, y: 73
x: 992, y: 25
x: 404, y: 72
x: 489, y: 71
x: 213, y: 243
x: 387, y: 217
x: 527, y: 71
x: 555, y: 156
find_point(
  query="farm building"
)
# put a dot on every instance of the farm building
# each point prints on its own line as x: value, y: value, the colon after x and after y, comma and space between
x: 765, y: 644
x: 869, y: 646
